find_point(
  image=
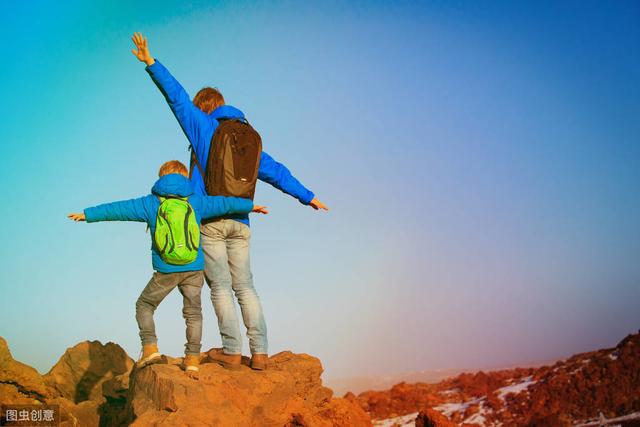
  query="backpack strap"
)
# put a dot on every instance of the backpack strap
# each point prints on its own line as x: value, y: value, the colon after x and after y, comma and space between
x: 197, y: 162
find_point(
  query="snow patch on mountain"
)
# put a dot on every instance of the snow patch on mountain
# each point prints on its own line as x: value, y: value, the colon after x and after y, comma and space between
x: 402, y: 421
x: 515, y: 388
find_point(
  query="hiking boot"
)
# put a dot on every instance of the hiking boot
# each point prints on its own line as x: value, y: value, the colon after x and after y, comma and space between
x: 150, y: 355
x: 191, y: 365
x: 259, y: 361
x: 229, y: 361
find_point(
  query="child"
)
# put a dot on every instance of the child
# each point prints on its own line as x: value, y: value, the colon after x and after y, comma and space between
x: 173, y: 214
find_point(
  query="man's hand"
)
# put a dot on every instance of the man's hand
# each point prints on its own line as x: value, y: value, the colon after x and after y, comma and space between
x: 317, y: 204
x: 77, y: 217
x: 260, y: 209
x: 142, y: 53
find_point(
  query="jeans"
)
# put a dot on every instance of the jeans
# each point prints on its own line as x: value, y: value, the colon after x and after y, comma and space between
x: 161, y: 284
x: 225, y: 243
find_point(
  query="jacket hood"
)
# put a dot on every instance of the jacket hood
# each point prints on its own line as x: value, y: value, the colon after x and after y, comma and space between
x: 227, y: 111
x: 172, y: 185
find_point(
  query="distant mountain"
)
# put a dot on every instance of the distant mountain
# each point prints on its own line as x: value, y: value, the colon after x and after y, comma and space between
x: 596, y: 388
x: 357, y: 385
x: 383, y: 382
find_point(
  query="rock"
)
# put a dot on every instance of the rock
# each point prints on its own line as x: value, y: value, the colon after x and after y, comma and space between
x: 345, y: 412
x: 19, y: 383
x: 289, y: 392
x: 83, y: 369
x: 86, y: 413
x: 402, y: 399
x: 349, y: 396
x: 432, y: 418
x: 94, y: 384
x: 75, y: 383
x: 571, y: 391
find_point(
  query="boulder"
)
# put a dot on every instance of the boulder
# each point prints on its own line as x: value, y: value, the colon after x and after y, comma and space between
x: 432, y: 418
x: 82, y: 370
x: 19, y: 383
x: 289, y: 392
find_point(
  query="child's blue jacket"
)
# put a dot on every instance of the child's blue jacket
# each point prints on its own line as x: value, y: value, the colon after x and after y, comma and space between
x: 199, y: 128
x: 145, y: 209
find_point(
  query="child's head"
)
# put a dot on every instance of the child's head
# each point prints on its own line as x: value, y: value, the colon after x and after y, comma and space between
x: 173, y: 166
x: 208, y: 99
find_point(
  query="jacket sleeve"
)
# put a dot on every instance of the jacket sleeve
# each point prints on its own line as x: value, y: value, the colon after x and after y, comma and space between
x: 126, y: 210
x: 277, y: 174
x: 193, y: 121
x: 213, y: 206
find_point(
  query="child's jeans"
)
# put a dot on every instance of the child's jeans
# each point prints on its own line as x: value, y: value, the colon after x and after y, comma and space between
x: 225, y: 243
x: 161, y: 284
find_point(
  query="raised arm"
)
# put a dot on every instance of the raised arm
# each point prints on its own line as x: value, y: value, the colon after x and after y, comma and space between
x: 277, y: 174
x: 126, y: 210
x: 192, y: 120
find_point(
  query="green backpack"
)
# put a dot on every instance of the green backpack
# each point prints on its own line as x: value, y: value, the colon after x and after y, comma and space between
x: 177, y: 235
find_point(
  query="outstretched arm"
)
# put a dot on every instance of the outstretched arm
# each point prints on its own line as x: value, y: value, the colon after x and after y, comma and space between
x: 126, y: 210
x: 277, y: 174
x: 192, y: 120
x: 213, y: 206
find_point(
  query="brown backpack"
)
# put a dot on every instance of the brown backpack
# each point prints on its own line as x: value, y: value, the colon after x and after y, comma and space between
x: 233, y: 161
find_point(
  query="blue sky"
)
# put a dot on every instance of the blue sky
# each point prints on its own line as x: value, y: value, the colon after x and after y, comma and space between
x: 481, y: 161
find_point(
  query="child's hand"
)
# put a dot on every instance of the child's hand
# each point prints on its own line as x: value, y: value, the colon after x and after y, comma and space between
x: 260, y: 209
x: 142, y: 53
x: 77, y: 217
x: 317, y: 204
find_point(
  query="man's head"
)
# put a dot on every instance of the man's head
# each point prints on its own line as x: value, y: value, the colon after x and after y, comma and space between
x: 173, y: 166
x: 208, y: 99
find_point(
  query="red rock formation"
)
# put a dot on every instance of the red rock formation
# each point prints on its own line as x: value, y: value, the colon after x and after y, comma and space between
x: 84, y: 368
x: 94, y: 386
x: 19, y: 383
x: 74, y: 375
x: 290, y: 392
x: 431, y: 418
x: 576, y: 389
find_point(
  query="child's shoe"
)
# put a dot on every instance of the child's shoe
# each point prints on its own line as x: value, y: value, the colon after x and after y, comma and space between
x: 191, y: 365
x: 150, y: 355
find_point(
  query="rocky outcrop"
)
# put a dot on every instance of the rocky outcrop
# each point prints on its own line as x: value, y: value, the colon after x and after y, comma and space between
x: 431, y: 418
x: 96, y: 385
x: 79, y: 383
x: 401, y: 399
x: 604, y: 383
x: 19, y: 383
x: 82, y: 370
x: 289, y: 392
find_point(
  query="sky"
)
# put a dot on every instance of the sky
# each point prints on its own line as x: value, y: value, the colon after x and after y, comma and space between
x: 481, y: 161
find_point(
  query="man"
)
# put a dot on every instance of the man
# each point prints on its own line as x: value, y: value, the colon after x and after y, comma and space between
x: 225, y: 241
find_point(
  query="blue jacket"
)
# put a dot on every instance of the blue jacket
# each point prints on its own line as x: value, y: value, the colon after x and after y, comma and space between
x: 199, y: 128
x: 145, y: 209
